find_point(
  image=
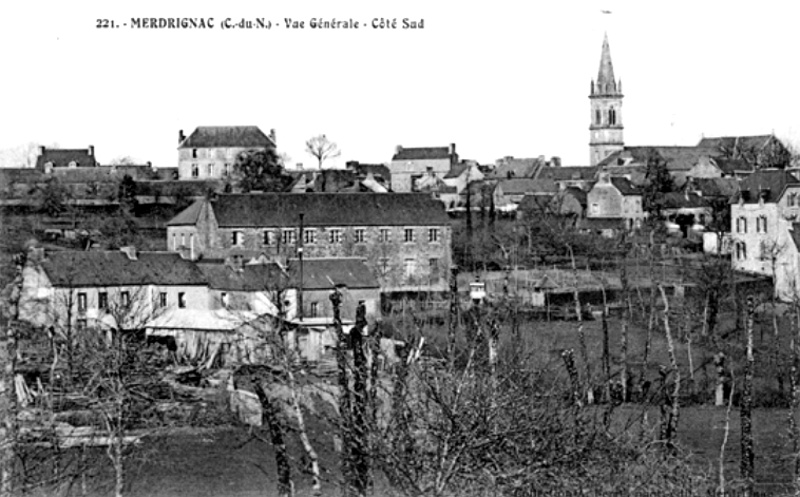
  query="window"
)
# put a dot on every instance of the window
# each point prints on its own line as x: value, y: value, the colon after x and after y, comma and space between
x: 162, y: 299
x: 433, y: 235
x: 288, y: 237
x: 741, y: 251
x: 102, y: 301
x: 383, y: 265
x: 597, y: 117
x: 409, y: 268
x: 761, y: 224
x: 385, y: 235
x: 314, y: 310
x: 181, y: 300
x: 595, y: 208
x: 210, y: 170
x: 310, y: 236
x: 226, y: 171
x: 223, y: 297
x: 195, y: 170
x: 174, y: 241
x: 335, y: 236
x: 194, y: 153
x: 433, y: 266
x: 183, y: 239
x: 237, y: 238
x: 81, y: 302
x: 269, y: 238
x: 612, y: 116
x: 125, y: 298
x: 408, y: 235
x: 741, y: 225
x: 359, y: 235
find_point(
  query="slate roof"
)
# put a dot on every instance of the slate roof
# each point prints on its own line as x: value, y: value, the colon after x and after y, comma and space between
x: 676, y: 200
x: 61, y: 157
x: 756, y: 142
x: 732, y: 166
x: 191, y: 188
x: 320, y: 209
x: 774, y: 181
x: 601, y: 223
x: 678, y: 158
x: 456, y: 170
x: 377, y: 170
x: 518, y: 186
x: 714, y: 187
x: 251, y: 277
x: 422, y: 153
x: 565, y: 173
x: 188, y: 216
x: 114, y: 268
x: 227, y: 136
x: 326, y: 273
x: 624, y: 186
x: 517, y: 168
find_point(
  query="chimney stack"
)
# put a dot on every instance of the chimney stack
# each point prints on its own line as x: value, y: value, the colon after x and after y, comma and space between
x: 452, y: 149
x: 42, y: 149
x: 398, y: 149
x: 272, y: 136
x: 181, y: 136
x: 556, y: 161
x: 91, y: 150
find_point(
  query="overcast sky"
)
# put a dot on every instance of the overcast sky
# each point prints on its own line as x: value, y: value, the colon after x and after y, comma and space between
x: 496, y: 78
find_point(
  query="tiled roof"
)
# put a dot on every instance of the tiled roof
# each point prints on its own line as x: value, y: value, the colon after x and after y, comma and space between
x: 322, y: 209
x: 114, y: 268
x: 517, y: 186
x: 227, y: 136
x: 422, y: 153
x: 773, y: 181
x: 62, y: 157
x: 624, y: 186
x: 251, y: 277
x: 321, y: 274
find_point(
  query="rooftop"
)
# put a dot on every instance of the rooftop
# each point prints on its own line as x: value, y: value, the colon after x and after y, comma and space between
x: 227, y: 136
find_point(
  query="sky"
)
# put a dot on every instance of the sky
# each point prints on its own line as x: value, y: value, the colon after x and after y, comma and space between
x: 496, y: 78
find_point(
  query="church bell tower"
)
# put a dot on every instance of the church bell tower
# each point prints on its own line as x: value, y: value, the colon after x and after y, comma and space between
x: 605, y: 131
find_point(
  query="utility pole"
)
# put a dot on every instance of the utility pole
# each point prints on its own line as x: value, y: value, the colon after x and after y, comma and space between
x: 300, y: 240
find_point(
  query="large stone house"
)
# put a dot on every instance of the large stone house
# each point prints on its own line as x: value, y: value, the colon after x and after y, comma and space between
x: 411, y: 164
x: 764, y: 220
x: 404, y: 238
x: 211, y: 151
x: 615, y: 198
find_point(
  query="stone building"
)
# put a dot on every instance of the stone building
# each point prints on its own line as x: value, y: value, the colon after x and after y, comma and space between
x: 210, y: 151
x: 615, y: 198
x: 411, y: 164
x: 404, y: 238
x: 605, y: 131
x: 765, y: 230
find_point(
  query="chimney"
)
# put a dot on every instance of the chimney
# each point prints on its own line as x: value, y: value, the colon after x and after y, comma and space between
x: 272, y: 136
x: 452, y: 149
x: 556, y: 161
x: 181, y: 136
x: 91, y: 150
x: 130, y: 251
x: 42, y: 149
x: 398, y: 149
x: 149, y: 164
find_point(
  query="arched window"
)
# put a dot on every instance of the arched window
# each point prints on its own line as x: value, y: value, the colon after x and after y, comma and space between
x: 612, y: 116
x: 741, y: 251
x: 598, y: 117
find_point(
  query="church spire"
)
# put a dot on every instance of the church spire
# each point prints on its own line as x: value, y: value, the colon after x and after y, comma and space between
x: 606, y: 84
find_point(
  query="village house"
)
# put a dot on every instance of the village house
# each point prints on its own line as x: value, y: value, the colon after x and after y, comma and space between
x: 510, y: 167
x: 108, y: 289
x: 582, y: 177
x: 404, y: 238
x: 211, y: 151
x: 763, y: 228
x: 615, y: 198
x: 410, y: 164
x: 462, y: 174
x: 508, y: 193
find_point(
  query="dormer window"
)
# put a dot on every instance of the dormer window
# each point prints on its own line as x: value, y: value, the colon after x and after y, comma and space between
x: 72, y: 163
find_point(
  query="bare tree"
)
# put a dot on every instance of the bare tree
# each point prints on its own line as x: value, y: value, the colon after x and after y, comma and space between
x: 321, y: 148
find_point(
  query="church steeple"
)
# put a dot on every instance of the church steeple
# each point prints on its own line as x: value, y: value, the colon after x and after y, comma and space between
x: 606, y: 108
